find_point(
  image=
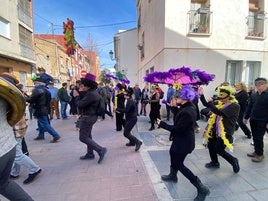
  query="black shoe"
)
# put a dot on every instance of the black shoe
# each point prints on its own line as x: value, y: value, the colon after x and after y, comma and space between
x: 172, y: 178
x: 236, y: 167
x: 152, y: 128
x: 31, y: 177
x: 102, y: 153
x: 14, y: 177
x: 212, y: 165
x: 87, y: 157
x: 130, y: 144
x: 248, y: 136
x: 55, y: 139
x: 39, y: 138
x: 138, y: 145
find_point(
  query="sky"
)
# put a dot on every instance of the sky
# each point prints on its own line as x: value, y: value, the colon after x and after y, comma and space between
x: 95, y: 22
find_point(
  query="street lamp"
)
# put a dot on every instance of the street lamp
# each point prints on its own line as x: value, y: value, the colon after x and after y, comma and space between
x: 111, y: 54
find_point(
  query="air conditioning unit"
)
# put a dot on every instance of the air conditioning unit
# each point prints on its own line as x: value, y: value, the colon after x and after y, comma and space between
x: 260, y: 16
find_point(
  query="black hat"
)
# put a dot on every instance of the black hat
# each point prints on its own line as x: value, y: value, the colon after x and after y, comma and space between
x: 129, y: 91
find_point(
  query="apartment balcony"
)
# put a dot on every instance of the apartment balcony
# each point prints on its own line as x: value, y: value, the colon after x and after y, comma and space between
x: 255, y: 26
x: 199, y: 22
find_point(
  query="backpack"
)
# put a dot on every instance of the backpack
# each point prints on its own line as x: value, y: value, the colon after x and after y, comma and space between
x: 100, y: 108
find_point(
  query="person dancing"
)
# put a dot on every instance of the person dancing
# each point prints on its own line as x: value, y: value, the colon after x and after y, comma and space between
x: 131, y: 119
x: 183, y: 140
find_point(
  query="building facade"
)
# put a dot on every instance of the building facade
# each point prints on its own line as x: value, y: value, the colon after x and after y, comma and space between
x: 16, y: 39
x: 226, y: 38
x: 126, y: 54
x: 51, y: 54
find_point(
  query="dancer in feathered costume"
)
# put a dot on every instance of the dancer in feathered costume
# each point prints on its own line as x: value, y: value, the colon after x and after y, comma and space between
x: 221, y: 126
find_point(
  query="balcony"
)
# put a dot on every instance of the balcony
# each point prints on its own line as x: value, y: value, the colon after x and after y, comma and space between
x: 255, y: 26
x: 199, y: 22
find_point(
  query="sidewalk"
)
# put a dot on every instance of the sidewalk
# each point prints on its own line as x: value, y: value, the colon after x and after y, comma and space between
x: 251, y: 183
x: 130, y: 176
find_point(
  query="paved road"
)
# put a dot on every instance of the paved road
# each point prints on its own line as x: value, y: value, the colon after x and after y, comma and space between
x: 134, y: 176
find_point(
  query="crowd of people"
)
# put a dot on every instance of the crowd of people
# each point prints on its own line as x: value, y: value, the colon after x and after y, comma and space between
x: 230, y: 109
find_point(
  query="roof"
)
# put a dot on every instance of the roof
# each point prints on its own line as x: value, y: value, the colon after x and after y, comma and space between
x: 58, y: 38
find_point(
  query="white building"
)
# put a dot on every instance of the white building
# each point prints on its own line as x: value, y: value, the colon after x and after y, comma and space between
x: 126, y: 54
x: 225, y: 37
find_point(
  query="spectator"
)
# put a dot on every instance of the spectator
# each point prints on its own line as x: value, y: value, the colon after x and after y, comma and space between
x: 170, y: 93
x: 155, y: 106
x: 64, y: 100
x: 72, y: 103
x: 144, y: 99
x: 257, y: 113
x: 241, y: 96
x: 137, y: 97
x: 54, y: 102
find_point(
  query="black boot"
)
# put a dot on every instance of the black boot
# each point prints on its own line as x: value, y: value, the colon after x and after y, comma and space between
x: 171, y: 177
x: 202, y: 190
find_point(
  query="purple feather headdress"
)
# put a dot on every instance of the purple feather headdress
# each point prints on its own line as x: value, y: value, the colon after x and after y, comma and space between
x: 183, y: 75
x: 110, y: 76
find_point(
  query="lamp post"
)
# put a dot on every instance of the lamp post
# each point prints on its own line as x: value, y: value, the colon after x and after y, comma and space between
x: 111, y: 54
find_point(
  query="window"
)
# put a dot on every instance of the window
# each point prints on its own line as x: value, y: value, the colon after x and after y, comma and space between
x: 255, y: 19
x: 24, y: 12
x: 4, y: 28
x: 252, y: 71
x: 233, y: 71
x: 141, y: 46
x: 25, y: 6
x: 199, y: 17
x: 25, y: 37
x: 23, y: 78
x: 245, y: 71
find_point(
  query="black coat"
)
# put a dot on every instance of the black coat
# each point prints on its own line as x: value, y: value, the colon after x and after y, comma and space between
x: 183, y: 129
x: 40, y: 101
x: 129, y: 110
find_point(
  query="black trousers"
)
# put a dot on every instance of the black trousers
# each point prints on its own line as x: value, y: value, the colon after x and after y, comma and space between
x: 9, y: 188
x: 215, y: 147
x: 119, y: 121
x: 241, y: 124
x: 177, y: 163
x: 258, y: 129
x: 130, y: 123
x: 85, y: 136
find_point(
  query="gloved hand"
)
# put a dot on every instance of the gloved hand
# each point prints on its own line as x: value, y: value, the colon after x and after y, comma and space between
x: 171, y: 137
x: 205, y: 143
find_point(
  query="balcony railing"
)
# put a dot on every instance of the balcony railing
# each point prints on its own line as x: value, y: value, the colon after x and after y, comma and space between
x: 255, y: 25
x: 200, y: 21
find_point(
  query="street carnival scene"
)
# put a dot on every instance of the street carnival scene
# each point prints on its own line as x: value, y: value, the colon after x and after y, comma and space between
x: 175, y: 126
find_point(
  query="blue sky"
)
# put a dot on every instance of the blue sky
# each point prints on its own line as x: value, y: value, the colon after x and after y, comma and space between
x: 92, y: 19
